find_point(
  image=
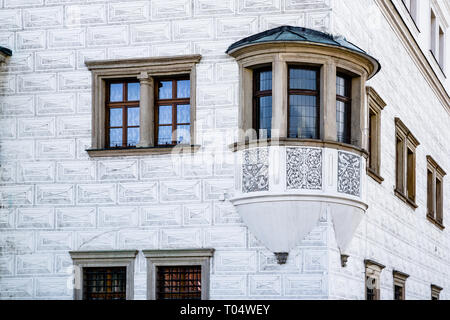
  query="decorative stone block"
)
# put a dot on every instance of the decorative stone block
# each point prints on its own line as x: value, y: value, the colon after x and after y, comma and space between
x: 30, y: 40
x: 41, y: 171
x: 54, y: 194
x: 268, y: 262
x: 349, y: 173
x: 117, y: 217
x: 265, y: 285
x: 10, y: 20
x: 255, y: 170
x: 118, y: 170
x: 197, y: 165
x: 19, y: 62
x: 107, y: 36
x: 57, y: 288
x: 197, y: 214
x: 225, y: 213
x: 304, y: 285
x: 55, y: 60
x: 214, y: 95
x: 8, y: 128
x: 53, y: 104
x: 149, y: 33
x: 14, y: 288
x: 228, y: 285
x: 34, y: 264
x: 304, y: 168
x: 80, y: 15
x: 235, y: 261
x: 130, y: 11
x: 273, y: 21
x: 16, y: 195
x: 16, y: 242
x: 7, y: 216
x: 130, y: 53
x: 73, y: 126
x: 8, y: 173
x: 174, y: 9
x: 248, y: 6
x: 55, y: 149
x: 55, y: 240
x: 74, y: 80
x: 161, y: 216
x: 6, y: 266
x: 180, y: 238
x: 315, y: 261
x: 89, y: 54
x: 74, y: 171
x: 17, y: 105
x: 210, y: 7
x: 36, y: 82
x: 193, y: 29
x: 22, y: 3
x: 138, y: 239
x: 66, y: 38
x: 96, y: 193
x: 35, y: 218
x: 231, y: 237
x: 94, y: 240
x: 171, y: 49
x: 239, y: 27
x: 36, y: 127
x: 216, y: 189
x: 180, y: 191
x: 138, y: 192
x: 84, y: 102
x: 63, y: 264
x: 43, y: 17
x: 81, y: 217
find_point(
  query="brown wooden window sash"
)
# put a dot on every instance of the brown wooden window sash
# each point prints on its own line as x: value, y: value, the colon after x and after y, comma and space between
x: 346, y: 99
x: 124, y: 105
x: 304, y: 92
x: 256, y: 95
x: 174, y: 102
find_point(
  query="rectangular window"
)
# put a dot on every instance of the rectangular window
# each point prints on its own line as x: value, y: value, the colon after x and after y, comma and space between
x: 411, y: 6
x: 262, y: 102
x: 435, y: 192
x: 173, y: 121
x: 343, y: 108
x: 372, y: 283
x: 398, y: 293
x: 304, y: 110
x: 406, y: 145
x: 399, y: 284
x: 433, y: 36
x: 122, y: 113
x: 178, y: 282
x: 104, y: 283
x: 430, y: 193
x: 441, y: 48
x: 439, y: 202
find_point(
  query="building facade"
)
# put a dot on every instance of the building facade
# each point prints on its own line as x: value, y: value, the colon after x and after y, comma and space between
x: 233, y: 149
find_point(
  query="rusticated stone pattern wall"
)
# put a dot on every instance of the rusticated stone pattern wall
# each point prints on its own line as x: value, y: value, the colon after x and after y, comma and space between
x: 392, y: 233
x: 55, y: 198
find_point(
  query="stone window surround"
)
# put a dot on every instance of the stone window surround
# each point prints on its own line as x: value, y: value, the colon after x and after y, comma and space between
x: 435, y: 291
x: 376, y: 105
x: 373, y: 270
x: 330, y: 60
x: 116, y: 258
x: 177, y: 257
x: 438, y: 173
x: 411, y: 143
x: 400, y: 280
x: 145, y: 70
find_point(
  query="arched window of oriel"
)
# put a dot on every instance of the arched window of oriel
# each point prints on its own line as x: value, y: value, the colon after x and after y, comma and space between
x: 343, y: 108
x: 304, y: 110
x: 262, y: 102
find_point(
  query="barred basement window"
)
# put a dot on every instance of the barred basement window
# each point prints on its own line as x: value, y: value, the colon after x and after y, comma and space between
x: 399, y: 284
x: 178, y: 282
x: 304, y: 102
x: 262, y: 102
x: 343, y: 108
x: 372, y: 283
x: 435, y: 292
x: 376, y: 105
x: 104, y: 283
x: 435, y: 201
x: 406, y: 145
x: 178, y: 274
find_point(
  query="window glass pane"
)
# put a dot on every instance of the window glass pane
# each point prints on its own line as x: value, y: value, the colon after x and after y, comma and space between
x: 303, y: 117
x: 342, y: 121
x: 184, y: 134
x: 165, y: 90
x: 133, y: 116
x: 183, y: 89
x: 132, y: 136
x: 265, y: 114
x: 340, y: 86
x: 165, y: 135
x: 115, y: 117
x: 183, y: 113
x: 265, y: 80
x: 302, y: 79
x: 116, y: 92
x: 134, y: 91
x: 115, y: 137
x: 165, y: 115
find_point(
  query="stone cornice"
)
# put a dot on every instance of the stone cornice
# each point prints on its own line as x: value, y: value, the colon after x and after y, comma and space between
x: 406, y: 132
x: 183, y: 253
x: 399, y: 27
x: 116, y: 254
x: 375, y: 97
x: 434, y: 164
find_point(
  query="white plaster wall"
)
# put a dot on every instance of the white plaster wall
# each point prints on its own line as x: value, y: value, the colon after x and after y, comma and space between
x: 393, y: 233
x: 57, y: 199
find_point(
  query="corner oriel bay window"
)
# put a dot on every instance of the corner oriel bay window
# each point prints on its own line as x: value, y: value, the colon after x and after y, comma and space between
x: 262, y: 102
x: 304, y: 110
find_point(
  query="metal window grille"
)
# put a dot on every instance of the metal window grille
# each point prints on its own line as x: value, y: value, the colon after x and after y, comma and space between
x: 108, y: 283
x: 178, y: 282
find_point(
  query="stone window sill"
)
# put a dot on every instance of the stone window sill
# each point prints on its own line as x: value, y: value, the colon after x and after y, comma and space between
x: 374, y: 175
x: 435, y: 222
x: 404, y: 198
x: 119, y: 152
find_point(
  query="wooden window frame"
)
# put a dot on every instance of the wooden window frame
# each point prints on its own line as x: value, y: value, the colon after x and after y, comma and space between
x: 118, y: 258
x: 182, y: 257
x: 372, y: 271
x: 316, y: 93
x: 124, y: 105
x: 347, y: 100
x: 435, y: 199
x: 376, y: 106
x: 405, y: 174
x: 400, y: 281
x: 256, y: 94
x: 174, y: 102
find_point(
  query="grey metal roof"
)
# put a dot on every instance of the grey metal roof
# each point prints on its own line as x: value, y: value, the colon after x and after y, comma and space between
x: 299, y: 34
x: 6, y: 51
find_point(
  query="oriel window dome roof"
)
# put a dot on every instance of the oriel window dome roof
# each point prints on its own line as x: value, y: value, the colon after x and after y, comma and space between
x: 302, y: 35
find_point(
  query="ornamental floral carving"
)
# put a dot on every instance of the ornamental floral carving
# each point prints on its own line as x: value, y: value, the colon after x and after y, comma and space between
x: 349, y: 173
x: 255, y: 170
x: 303, y: 168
